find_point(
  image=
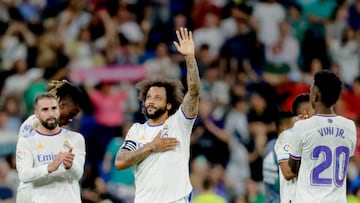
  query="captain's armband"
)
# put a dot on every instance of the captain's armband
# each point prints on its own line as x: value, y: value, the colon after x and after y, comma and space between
x: 129, y: 145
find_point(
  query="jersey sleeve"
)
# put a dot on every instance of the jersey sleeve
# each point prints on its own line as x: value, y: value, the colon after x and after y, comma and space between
x: 24, y: 162
x: 296, y: 142
x: 77, y: 169
x: 130, y: 142
x: 282, y: 146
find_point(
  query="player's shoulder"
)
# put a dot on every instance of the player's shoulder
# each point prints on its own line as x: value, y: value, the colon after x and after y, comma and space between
x: 72, y: 134
x: 28, y: 127
x: 345, y: 120
x: 137, y: 126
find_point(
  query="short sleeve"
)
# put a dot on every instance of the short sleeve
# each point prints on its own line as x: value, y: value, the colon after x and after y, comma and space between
x: 130, y: 139
x: 296, y: 142
x: 282, y: 146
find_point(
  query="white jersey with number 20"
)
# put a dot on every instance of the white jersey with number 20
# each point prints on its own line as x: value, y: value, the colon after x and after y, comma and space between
x: 324, y: 144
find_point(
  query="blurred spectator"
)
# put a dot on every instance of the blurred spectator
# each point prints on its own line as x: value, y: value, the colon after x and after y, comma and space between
x: 208, y: 195
x: 204, y: 58
x: 236, y: 11
x: 17, y: 83
x: 350, y: 97
x: 236, y: 124
x: 345, y: 52
x: 8, y: 138
x: 209, y: 137
x: 338, y: 22
x: 297, y: 22
x: 286, y: 50
x: 200, y: 9
x: 7, y: 193
x: 13, y: 106
x: 209, y: 34
x: 354, y: 191
x: 267, y: 16
x: 162, y: 66
x: 261, y: 117
x: 50, y: 47
x: 82, y: 52
x: 254, y: 194
x: 109, y: 106
x: 354, y: 15
x: 318, y: 13
x: 119, y: 183
x: 199, y: 171
x: 71, y: 20
x: 16, y: 44
x: 242, y: 53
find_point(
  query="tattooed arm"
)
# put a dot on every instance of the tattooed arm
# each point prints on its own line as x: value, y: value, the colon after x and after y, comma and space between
x: 186, y: 47
x: 126, y: 157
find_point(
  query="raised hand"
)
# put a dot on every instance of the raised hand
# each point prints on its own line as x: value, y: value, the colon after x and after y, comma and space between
x: 161, y: 144
x: 185, y: 44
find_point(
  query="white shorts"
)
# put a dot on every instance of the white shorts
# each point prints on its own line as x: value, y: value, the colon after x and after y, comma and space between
x: 24, y: 195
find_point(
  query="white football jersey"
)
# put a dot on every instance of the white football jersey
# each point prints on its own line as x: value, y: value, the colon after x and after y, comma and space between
x: 282, y: 149
x: 324, y: 144
x: 162, y: 177
x: 33, y: 154
x: 26, y: 128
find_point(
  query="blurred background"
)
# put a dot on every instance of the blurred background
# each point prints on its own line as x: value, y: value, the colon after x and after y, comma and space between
x: 254, y: 57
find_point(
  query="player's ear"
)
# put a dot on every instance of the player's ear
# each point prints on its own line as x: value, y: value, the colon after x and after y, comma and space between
x: 168, y: 106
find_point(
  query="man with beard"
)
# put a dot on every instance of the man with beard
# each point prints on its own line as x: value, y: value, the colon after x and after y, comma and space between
x: 70, y: 98
x: 160, y: 147
x: 51, y: 158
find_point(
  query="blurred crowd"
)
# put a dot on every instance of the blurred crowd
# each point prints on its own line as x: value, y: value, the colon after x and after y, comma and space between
x: 254, y: 57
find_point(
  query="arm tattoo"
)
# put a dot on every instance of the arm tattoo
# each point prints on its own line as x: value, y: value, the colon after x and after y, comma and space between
x: 190, y: 103
x: 134, y: 157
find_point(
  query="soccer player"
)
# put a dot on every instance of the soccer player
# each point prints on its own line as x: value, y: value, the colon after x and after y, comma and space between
x: 160, y: 148
x: 70, y: 98
x: 51, y: 158
x: 322, y: 145
x: 301, y: 107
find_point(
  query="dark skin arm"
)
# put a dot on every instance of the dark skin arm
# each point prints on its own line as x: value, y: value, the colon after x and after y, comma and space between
x: 286, y: 170
x: 294, y: 165
x: 125, y: 158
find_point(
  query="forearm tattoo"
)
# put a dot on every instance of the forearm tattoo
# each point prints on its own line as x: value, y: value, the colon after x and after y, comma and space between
x: 134, y: 157
x: 190, y: 103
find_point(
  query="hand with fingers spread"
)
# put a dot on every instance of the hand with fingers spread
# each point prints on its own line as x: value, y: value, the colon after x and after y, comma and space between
x: 68, y: 158
x: 162, y: 144
x: 186, y: 44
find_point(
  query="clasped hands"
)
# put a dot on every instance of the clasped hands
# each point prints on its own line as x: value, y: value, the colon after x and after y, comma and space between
x: 66, y: 158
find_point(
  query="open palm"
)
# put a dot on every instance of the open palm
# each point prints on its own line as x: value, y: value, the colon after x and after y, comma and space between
x: 185, y: 44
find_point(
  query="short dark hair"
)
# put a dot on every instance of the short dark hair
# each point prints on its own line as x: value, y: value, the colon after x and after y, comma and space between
x: 174, y: 92
x: 329, y: 85
x: 305, y: 97
x: 42, y: 96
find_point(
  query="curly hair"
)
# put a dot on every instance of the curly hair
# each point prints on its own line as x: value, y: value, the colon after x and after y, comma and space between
x: 174, y: 92
x: 65, y: 90
x: 330, y: 86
